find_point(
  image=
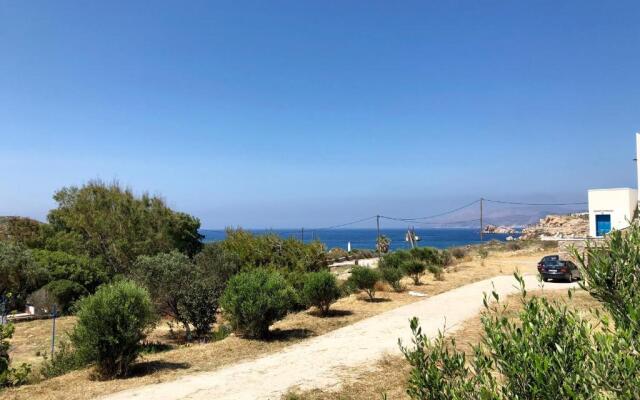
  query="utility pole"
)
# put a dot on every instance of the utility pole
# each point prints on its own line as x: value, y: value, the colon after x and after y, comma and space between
x: 302, y: 235
x: 481, y: 220
x: 378, y: 237
x: 54, y: 314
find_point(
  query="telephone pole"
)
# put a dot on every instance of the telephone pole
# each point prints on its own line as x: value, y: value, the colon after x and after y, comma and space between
x: 481, y: 220
x: 378, y: 237
x: 302, y: 235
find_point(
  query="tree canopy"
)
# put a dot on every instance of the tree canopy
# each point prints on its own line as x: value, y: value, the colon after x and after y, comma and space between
x: 108, y: 222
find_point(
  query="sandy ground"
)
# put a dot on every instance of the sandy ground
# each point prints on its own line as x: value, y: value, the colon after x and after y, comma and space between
x: 325, y: 361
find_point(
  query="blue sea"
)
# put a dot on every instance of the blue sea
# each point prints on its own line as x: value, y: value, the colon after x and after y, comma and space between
x: 366, y: 238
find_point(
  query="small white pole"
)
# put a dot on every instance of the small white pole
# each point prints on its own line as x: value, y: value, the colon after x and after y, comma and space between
x: 349, y: 247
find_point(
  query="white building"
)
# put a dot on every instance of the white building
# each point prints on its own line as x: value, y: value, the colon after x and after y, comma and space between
x: 613, y: 209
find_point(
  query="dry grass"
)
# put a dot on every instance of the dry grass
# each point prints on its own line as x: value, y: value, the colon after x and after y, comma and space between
x: 391, y: 373
x: 186, y: 359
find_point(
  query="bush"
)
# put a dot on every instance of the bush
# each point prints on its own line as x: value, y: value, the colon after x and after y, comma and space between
x: 483, y: 253
x: 320, y: 290
x: 395, y: 259
x: 437, y: 271
x: 392, y: 276
x: 415, y: 269
x: 364, y: 278
x: 10, y: 376
x: 111, y: 324
x: 610, y: 272
x: 458, y: 252
x: 255, y: 299
x: 63, y: 361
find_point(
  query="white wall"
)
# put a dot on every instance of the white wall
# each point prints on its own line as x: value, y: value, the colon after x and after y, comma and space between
x: 619, y: 203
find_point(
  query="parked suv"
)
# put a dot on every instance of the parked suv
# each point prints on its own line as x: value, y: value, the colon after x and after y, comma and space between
x: 552, y: 267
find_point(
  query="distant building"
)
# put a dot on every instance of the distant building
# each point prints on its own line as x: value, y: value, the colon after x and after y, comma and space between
x: 613, y: 209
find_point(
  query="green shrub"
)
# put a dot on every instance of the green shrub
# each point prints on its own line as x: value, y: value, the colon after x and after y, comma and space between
x: 64, y: 360
x: 395, y: 259
x: 610, y: 272
x: 198, y: 304
x: 392, y: 276
x: 284, y: 255
x: 415, y: 269
x: 437, y: 271
x: 111, y: 325
x: 10, y: 376
x: 365, y: 279
x: 548, y: 352
x: 320, y: 290
x: 255, y: 299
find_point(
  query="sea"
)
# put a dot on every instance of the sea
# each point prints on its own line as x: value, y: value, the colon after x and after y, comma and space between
x: 366, y: 238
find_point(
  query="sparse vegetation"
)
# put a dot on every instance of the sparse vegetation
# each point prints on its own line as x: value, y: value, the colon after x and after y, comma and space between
x: 10, y: 376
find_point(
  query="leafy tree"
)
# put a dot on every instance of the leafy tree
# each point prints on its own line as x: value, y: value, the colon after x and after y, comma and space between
x: 82, y: 270
x: 109, y: 222
x: 19, y: 275
x: 184, y: 290
x: 365, y: 279
x: 255, y: 299
x: 320, y: 290
x: 214, y: 260
x: 111, y: 325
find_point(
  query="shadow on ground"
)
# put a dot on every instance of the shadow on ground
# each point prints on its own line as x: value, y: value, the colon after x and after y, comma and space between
x: 285, y: 335
x: 149, y: 367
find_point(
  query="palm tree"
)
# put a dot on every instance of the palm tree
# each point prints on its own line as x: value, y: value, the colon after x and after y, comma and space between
x: 383, y: 243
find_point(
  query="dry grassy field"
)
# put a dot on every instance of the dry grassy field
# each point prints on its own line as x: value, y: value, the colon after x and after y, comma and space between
x: 33, y: 338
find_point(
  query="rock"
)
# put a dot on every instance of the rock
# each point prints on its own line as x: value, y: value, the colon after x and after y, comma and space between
x: 558, y: 227
x: 498, y: 229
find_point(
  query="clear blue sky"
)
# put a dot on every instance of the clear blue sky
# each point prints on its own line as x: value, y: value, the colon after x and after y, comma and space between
x: 282, y: 114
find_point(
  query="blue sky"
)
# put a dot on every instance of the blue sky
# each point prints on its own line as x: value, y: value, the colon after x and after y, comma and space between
x: 300, y: 113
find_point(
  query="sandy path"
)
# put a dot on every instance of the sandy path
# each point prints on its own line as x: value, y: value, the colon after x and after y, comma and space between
x: 321, y: 362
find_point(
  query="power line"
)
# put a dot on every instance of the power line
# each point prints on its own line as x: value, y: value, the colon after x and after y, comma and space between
x: 439, y: 215
x: 536, y: 204
x: 341, y: 225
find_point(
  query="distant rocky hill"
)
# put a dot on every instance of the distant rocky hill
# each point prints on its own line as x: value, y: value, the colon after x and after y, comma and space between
x: 559, y: 226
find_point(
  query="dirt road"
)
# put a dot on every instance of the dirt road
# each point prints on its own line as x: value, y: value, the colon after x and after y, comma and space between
x: 323, y: 361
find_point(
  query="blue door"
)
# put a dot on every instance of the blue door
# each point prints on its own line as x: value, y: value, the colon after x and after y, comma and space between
x: 603, y: 224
